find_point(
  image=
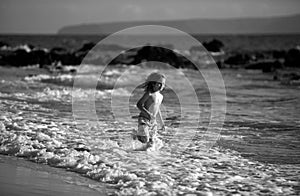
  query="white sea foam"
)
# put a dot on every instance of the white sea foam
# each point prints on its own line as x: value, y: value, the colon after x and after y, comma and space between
x: 130, y: 172
x: 104, y: 150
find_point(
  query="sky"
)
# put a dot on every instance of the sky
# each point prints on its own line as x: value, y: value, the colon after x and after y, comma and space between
x: 47, y: 16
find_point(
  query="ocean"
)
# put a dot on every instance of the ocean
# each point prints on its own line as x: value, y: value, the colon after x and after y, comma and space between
x: 231, y: 42
x: 87, y: 130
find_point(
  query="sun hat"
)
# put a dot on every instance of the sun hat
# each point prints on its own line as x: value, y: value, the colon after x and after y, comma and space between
x: 154, y: 77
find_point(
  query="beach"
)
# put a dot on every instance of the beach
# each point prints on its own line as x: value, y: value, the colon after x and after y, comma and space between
x: 256, y: 154
x: 142, y: 98
x: 20, y: 177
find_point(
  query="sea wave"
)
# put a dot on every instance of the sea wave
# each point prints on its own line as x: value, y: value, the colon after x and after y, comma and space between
x: 88, y: 77
x: 136, y: 173
x: 37, y: 123
x: 106, y: 154
x: 66, y: 94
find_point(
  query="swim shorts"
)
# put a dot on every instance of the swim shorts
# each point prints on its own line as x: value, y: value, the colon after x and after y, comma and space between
x: 146, y: 130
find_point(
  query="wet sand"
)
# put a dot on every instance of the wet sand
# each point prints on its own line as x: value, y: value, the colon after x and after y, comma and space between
x: 20, y: 177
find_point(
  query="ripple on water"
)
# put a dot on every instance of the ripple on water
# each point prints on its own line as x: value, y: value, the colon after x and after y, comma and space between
x: 36, y: 130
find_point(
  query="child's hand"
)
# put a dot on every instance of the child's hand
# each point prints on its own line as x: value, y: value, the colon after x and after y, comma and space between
x: 152, y: 117
x: 134, y: 137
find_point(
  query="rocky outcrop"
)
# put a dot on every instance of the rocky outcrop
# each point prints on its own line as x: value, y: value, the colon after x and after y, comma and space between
x: 238, y: 59
x: 90, y: 53
x: 214, y: 45
x: 21, y: 57
x: 3, y: 44
x: 290, y: 76
x: 152, y: 53
x: 267, y: 61
x: 265, y: 66
x: 63, y: 56
x: 292, y: 58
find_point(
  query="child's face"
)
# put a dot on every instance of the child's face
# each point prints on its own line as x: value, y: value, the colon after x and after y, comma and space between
x: 159, y: 86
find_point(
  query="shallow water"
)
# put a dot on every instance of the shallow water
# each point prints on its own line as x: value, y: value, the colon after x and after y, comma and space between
x: 19, y: 177
x: 231, y: 42
x: 262, y: 123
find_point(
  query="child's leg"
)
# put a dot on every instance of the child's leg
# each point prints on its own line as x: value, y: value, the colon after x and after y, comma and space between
x: 143, y: 139
x: 153, y: 133
x: 143, y: 131
x: 153, y: 130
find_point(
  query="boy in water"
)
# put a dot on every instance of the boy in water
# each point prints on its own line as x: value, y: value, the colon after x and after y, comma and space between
x: 149, y: 105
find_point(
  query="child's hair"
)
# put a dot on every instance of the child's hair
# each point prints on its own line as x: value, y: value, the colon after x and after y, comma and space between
x: 152, y: 79
x: 149, y: 86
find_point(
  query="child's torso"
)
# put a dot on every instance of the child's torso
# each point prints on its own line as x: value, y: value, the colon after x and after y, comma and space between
x: 152, y: 104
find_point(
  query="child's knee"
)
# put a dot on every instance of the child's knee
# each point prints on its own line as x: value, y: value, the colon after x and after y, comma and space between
x: 143, y: 139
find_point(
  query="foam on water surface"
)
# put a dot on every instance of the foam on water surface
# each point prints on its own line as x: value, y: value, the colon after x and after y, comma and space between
x: 37, y: 124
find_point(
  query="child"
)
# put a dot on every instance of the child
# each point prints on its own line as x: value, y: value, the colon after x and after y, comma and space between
x: 149, y: 105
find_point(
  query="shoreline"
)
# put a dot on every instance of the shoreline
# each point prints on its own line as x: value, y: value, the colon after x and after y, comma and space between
x: 217, y: 168
x: 22, y: 177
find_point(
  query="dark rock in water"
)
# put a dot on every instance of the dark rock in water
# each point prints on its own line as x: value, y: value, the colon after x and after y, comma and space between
x: 124, y: 59
x: 220, y: 64
x: 290, y: 77
x: 4, y: 55
x: 259, y: 56
x: 3, y: 44
x: 40, y: 57
x: 214, y: 45
x: 84, y: 50
x: 275, y: 77
x: 18, y: 58
x: 87, y: 47
x: 73, y: 70
x: 147, y: 53
x: 292, y: 58
x: 82, y: 149
x: 63, y: 56
x: 152, y: 53
x: 25, y: 55
x: 238, y: 59
x: 279, y: 54
x: 22, y: 57
x: 265, y: 66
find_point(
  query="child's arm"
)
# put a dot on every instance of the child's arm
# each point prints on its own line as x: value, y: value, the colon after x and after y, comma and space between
x: 161, y: 120
x: 140, y: 105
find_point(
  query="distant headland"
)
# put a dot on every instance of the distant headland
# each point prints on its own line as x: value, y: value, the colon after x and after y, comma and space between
x: 267, y: 25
